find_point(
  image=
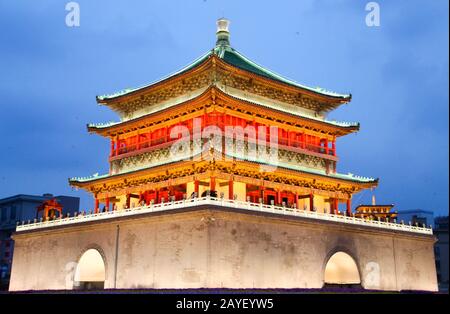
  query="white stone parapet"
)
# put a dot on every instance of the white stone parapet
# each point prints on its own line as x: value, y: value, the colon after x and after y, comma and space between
x: 242, y: 205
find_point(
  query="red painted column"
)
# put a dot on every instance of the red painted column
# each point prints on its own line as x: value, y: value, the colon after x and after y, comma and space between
x: 212, y: 184
x: 278, y: 197
x: 349, y: 207
x: 138, y: 142
x: 107, y: 203
x: 296, y: 200
x: 117, y: 145
x: 335, y: 206
x: 112, y: 148
x: 230, y: 190
x: 311, y: 202
x: 288, y: 138
x: 196, y: 183
x: 333, y: 147
x: 156, y: 196
x: 261, y: 193
x: 96, y: 205
x: 147, y: 200
x: 170, y: 192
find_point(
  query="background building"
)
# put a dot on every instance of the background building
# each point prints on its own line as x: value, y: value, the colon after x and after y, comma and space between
x: 441, y: 251
x: 22, y: 208
x: 414, y: 216
x: 376, y: 212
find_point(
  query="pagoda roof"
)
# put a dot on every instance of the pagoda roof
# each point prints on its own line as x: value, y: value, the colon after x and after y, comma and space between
x: 347, y: 127
x: 349, y: 177
x: 236, y: 59
x: 52, y: 203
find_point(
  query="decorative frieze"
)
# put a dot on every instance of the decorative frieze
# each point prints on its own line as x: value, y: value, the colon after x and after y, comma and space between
x: 177, y: 89
x: 254, y: 87
x: 222, y: 169
x: 215, y: 76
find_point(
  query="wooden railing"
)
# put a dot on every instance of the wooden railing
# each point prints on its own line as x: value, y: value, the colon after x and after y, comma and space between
x: 289, y: 143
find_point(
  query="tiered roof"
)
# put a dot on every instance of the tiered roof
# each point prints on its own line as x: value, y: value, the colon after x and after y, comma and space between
x: 234, y: 58
x: 227, y: 59
x: 337, y: 127
x: 349, y: 177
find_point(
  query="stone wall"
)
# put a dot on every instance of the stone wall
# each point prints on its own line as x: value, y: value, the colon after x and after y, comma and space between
x: 215, y: 248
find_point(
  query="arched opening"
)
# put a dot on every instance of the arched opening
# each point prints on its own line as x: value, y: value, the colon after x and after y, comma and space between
x: 90, y: 272
x: 341, y: 271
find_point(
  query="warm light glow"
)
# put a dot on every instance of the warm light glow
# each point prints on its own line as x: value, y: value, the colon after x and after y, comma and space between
x: 90, y: 267
x: 341, y: 269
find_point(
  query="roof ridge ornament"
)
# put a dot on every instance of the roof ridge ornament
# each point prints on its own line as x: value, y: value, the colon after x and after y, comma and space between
x: 222, y: 33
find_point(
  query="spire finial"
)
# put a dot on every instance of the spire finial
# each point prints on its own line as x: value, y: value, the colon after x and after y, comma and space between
x: 223, y: 35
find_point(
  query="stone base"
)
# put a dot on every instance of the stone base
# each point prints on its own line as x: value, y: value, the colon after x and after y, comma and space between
x: 221, y: 248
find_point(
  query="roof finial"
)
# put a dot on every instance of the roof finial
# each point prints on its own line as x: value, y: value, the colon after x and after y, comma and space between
x: 223, y: 35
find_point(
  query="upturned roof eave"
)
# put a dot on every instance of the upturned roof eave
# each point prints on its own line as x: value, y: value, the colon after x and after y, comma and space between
x: 366, y: 183
x: 192, y: 67
x: 272, y: 76
x: 101, y: 130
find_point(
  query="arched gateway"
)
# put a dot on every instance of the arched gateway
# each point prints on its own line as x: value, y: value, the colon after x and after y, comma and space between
x: 341, y: 270
x: 90, y: 272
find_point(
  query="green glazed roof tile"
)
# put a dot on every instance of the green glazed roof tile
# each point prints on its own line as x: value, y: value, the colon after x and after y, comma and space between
x: 234, y: 58
x: 349, y: 176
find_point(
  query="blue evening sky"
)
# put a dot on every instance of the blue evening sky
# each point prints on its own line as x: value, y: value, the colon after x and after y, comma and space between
x: 397, y: 74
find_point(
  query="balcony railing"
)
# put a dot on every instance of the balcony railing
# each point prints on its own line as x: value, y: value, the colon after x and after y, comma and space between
x: 288, y: 143
x: 246, y: 206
